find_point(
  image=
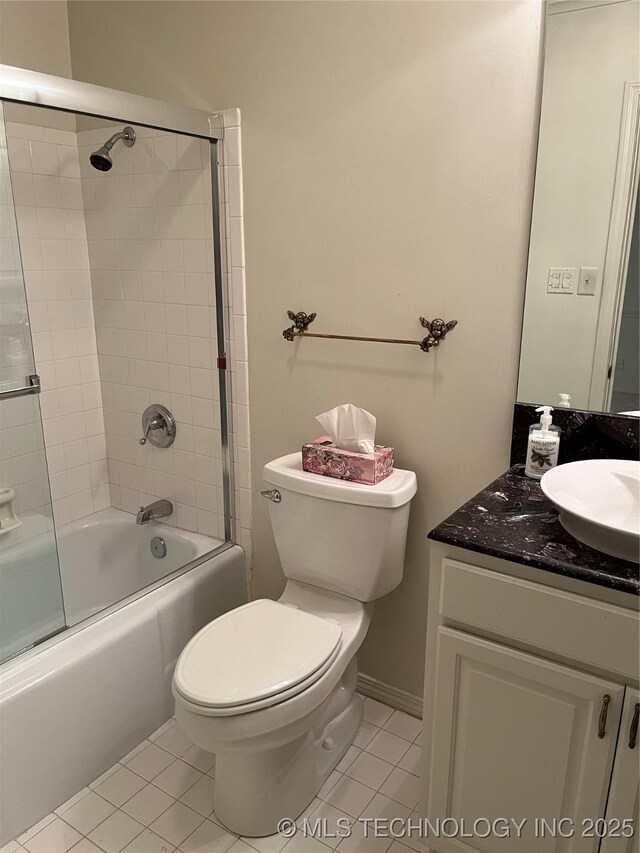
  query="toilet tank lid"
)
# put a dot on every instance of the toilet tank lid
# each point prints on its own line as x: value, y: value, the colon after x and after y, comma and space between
x: 392, y: 492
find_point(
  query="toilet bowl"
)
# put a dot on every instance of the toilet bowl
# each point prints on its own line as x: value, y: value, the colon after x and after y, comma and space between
x: 270, y: 687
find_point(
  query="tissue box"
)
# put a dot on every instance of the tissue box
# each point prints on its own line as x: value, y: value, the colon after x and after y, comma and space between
x: 321, y: 457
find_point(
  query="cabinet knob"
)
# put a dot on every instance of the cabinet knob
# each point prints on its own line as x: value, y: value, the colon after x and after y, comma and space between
x: 602, y: 721
x: 633, y: 731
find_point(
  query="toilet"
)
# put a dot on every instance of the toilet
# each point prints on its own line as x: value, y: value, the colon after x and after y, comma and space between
x: 270, y: 686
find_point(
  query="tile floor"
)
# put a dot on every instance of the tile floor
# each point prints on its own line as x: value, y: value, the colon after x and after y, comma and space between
x: 158, y: 798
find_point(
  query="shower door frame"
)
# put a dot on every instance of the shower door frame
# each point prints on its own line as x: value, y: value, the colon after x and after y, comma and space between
x: 33, y: 88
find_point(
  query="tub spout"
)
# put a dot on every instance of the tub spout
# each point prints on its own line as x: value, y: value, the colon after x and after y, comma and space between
x: 158, y: 509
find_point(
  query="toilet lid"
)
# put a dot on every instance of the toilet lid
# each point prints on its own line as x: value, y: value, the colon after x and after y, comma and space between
x: 257, y: 651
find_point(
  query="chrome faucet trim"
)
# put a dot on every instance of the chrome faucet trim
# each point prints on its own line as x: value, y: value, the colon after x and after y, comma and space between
x: 158, y: 509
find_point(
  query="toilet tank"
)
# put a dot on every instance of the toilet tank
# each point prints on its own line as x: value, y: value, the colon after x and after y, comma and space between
x: 346, y: 537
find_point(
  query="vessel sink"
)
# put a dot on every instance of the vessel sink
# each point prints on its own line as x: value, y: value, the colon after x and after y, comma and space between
x: 599, y: 503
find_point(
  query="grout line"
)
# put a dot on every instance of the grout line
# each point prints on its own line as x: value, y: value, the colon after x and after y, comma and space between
x: 152, y: 740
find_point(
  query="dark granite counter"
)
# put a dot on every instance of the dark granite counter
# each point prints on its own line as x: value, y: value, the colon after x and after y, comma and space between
x: 513, y: 520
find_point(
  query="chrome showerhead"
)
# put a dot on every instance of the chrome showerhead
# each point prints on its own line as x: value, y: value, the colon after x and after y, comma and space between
x: 101, y: 158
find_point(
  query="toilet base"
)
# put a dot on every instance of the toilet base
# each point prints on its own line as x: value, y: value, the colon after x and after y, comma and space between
x: 254, y: 791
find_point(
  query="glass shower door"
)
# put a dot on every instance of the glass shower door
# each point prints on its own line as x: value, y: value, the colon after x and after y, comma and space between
x: 31, y: 604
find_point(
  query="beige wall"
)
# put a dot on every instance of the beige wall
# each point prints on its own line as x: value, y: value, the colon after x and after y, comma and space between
x: 388, y: 151
x: 35, y: 34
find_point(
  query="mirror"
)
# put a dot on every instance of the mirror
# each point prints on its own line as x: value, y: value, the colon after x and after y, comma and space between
x: 580, y: 330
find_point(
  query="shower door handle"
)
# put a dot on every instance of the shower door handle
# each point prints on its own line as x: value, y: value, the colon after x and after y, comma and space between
x: 32, y: 388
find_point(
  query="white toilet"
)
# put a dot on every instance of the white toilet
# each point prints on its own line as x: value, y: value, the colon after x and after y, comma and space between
x: 270, y: 687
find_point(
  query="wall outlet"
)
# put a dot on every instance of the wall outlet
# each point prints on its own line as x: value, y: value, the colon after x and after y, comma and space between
x: 620, y: 364
x: 561, y: 280
x: 588, y: 281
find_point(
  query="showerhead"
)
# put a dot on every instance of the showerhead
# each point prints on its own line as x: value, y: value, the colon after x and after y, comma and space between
x: 101, y: 158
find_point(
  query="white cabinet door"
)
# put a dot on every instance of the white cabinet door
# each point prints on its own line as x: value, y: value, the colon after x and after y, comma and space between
x: 625, y: 783
x: 514, y: 737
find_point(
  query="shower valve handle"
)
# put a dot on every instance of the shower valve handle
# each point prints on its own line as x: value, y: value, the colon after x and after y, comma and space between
x: 155, y: 423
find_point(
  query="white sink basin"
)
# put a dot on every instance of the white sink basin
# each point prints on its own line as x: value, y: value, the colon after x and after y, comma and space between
x: 599, y: 503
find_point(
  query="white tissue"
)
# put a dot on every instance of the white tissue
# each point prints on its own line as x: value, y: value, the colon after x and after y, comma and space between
x: 350, y: 428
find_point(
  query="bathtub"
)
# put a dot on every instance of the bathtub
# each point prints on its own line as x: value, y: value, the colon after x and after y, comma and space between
x: 121, y: 561
x: 108, y: 677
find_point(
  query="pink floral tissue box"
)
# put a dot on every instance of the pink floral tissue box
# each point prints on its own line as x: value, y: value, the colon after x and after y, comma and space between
x: 321, y: 457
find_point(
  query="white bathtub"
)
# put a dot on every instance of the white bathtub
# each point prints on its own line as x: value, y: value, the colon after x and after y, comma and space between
x: 109, y: 677
x: 121, y: 562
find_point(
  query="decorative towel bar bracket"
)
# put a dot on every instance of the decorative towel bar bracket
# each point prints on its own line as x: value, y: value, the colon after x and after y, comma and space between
x: 437, y: 329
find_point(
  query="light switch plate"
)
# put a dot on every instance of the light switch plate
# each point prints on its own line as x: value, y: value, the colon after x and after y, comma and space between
x: 562, y: 279
x: 588, y: 281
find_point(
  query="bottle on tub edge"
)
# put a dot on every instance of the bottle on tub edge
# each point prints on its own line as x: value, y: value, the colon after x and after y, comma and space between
x: 543, y: 445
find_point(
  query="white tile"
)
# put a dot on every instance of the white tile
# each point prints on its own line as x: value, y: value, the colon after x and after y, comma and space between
x: 241, y: 846
x: 328, y: 784
x: 411, y: 760
x: 365, y: 734
x: 177, y: 778
x: 330, y: 816
x: 267, y: 843
x: 104, y: 776
x: 76, y: 797
x: 348, y: 758
x: 113, y: 834
x: 148, y: 804
x: 364, y: 839
x: 200, y: 758
x: 209, y: 837
x: 86, y: 814
x: 150, y: 762
x: 382, y: 806
x: 200, y: 796
x: 413, y: 839
x: 35, y: 829
x: 11, y: 847
x: 370, y: 770
x: 350, y: 796
x: 306, y: 814
x: 403, y: 725
x: 375, y: 712
x: 388, y: 747
x: 164, y: 728
x: 302, y: 843
x: 402, y: 787
x: 56, y: 837
x: 85, y: 846
x: 232, y: 146
x: 120, y: 786
x: 398, y: 847
x: 177, y: 823
x: 149, y: 842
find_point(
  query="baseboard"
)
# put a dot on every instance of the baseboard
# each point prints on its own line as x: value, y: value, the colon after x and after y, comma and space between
x: 400, y: 699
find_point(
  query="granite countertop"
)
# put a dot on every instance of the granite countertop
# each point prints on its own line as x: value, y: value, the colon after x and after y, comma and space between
x: 513, y: 520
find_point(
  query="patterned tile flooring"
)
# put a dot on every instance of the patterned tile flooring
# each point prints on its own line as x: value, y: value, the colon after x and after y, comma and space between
x: 159, y: 799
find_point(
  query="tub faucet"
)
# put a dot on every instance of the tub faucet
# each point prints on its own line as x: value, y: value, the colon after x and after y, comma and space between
x: 158, y: 509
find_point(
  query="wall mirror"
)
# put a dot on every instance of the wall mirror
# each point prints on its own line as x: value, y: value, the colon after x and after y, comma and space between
x: 580, y: 330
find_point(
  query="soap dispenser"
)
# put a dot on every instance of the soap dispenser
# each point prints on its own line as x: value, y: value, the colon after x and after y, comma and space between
x: 543, y: 445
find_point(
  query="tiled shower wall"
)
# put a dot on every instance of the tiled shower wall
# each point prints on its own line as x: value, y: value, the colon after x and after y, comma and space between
x: 139, y: 327
x: 236, y: 322
x: 45, y: 176
x: 151, y: 249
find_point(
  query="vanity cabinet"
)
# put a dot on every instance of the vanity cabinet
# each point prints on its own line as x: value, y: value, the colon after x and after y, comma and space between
x: 624, y: 795
x: 530, y: 697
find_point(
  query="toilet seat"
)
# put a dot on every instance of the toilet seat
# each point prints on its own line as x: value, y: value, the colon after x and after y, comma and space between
x: 254, y: 656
